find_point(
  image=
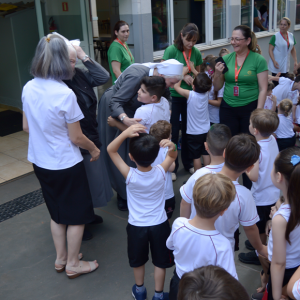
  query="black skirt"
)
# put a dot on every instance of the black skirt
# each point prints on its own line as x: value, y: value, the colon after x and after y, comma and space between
x: 67, y: 194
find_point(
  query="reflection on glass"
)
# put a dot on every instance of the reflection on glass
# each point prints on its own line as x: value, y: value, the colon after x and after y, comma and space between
x: 281, y: 10
x: 262, y: 12
x: 219, y: 19
x: 246, y: 13
x: 298, y: 12
x: 160, y: 24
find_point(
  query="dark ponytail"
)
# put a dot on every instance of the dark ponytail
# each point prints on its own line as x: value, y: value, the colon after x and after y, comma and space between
x: 189, y: 31
x: 247, y: 33
x: 291, y: 174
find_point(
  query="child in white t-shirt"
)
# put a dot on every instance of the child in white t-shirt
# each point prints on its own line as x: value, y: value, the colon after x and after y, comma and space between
x: 293, y: 287
x: 147, y: 223
x: 156, y: 106
x: 196, y: 242
x: 285, y: 134
x: 271, y: 100
x: 218, y: 137
x: 197, y: 117
x: 161, y: 130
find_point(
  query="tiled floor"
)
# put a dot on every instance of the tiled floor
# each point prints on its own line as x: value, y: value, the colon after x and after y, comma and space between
x: 13, y: 156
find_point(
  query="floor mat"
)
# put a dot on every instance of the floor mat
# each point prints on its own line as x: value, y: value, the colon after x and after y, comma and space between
x: 10, y: 122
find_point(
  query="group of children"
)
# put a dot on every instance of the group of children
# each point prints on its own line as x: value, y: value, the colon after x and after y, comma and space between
x: 201, y: 242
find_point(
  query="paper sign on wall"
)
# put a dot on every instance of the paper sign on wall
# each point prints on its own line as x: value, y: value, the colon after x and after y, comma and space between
x: 65, y: 6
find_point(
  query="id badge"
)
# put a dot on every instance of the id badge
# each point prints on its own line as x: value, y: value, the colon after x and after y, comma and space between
x: 236, y: 91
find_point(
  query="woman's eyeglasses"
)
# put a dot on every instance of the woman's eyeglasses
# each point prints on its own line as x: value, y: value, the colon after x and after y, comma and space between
x: 231, y: 39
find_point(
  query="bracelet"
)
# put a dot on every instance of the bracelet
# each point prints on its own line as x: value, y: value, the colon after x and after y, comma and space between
x: 175, y: 147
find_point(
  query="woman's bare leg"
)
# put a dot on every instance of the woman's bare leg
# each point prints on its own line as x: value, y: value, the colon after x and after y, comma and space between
x: 59, y: 237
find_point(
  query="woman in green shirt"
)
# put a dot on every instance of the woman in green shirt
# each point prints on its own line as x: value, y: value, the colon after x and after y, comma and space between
x: 119, y: 54
x: 246, y: 82
x: 183, y: 50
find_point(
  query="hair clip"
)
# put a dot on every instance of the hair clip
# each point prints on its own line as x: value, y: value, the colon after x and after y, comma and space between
x: 47, y: 39
x: 295, y: 159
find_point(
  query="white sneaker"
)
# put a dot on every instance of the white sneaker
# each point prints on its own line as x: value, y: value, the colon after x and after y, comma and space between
x: 192, y: 170
x: 174, y: 177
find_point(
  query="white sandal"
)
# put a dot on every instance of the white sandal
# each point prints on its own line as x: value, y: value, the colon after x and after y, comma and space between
x: 64, y: 263
x: 78, y: 270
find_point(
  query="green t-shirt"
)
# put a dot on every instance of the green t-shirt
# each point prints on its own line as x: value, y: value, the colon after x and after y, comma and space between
x: 247, y: 80
x: 273, y: 40
x: 173, y: 52
x: 118, y: 53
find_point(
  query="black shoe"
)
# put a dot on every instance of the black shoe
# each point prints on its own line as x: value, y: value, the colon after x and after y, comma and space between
x: 122, y: 203
x: 87, y: 235
x: 249, y: 246
x: 249, y: 258
x: 257, y: 296
x: 98, y: 220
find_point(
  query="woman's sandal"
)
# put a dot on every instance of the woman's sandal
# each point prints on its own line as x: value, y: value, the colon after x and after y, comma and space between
x: 77, y: 271
x: 64, y: 263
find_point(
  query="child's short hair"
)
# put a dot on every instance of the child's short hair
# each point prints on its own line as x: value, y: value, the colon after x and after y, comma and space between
x: 290, y: 76
x: 155, y: 85
x: 212, y: 194
x: 286, y: 106
x: 161, y: 130
x: 297, y: 79
x: 265, y: 121
x: 144, y: 149
x: 242, y: 152
x: 270, y: 86
x: 224, y: 51
x: 202, y: 83
x: 217, y: 139
x: 210, y: 282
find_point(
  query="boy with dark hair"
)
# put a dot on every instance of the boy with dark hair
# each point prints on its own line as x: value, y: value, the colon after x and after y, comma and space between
x: 198, y: 122
x: 161, y: 130
x: 147, y: 223
x: 218, y: 137
x: 196, y: 242
x: 263, y: 123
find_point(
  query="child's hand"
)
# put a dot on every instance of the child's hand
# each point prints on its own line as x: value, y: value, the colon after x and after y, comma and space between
x: 111, y: 121
x: 178, y: 84
x: 192, y: 65
x: 268, y: 227
x: 172, y: 153
x: 264, y: 251
x: 274, y: 98
x: 134, y: 130
x: 167, y: 143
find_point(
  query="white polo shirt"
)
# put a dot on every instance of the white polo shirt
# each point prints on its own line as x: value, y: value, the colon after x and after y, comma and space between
x: 169, y: 191
x: 49, y: 105
x: 284, y: 90
x: 285, y: 128
x: 263, y: 190
x: 242, y: 210
x: 194, y: 248
x: 151, y: 113
x: 293, y: 250
x: 186, y: 190
x: 296, y: 289
x: 197, y: 113
x: 146, y: 196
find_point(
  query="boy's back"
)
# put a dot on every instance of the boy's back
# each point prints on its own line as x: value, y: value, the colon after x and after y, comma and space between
x: 263, y: 190
x: 284, y: 90
x: 194, y: 248
x: 153, y: 112
x: 145, y: 196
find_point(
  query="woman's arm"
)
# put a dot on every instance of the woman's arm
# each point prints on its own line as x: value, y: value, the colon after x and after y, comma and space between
x: 218, y: 76
x: 294, y: 55
x: 116, y: 67
x: 25, y: 123
x: 216, y: 103
x: 271, y: 54
x: 263, y: 86
x: 279, y: 255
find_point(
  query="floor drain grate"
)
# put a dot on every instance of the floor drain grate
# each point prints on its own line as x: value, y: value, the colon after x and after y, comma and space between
x: 21, y: 204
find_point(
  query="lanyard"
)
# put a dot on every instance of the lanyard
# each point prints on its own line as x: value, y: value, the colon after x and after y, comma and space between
x: 237, y: 72
x: 187, y: 60
x: 287, y: 39
x: 117, y: 40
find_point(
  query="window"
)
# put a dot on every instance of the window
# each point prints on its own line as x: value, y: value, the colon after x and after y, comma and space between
x: 219, y: 19
x: 298, y: 12
x: 246, y: 12
x: 281, y: 10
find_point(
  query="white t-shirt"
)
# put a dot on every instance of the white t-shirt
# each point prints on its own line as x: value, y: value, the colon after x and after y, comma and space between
x: 195, y: 248
x: 151, y: 113
x: 49, y: 105
x: 263, y: 190
x: 285, y: 128
x: 214, y: 111
x: 293, y: 250
x: 146, y: 196
x: 298, y: 114
x: 268, y: 103
x: 169, y: 191
x: 296, y: 290
x: 242, y: 210
x: 197, y: 113
x: 186, y: 190
x: 284, y: 90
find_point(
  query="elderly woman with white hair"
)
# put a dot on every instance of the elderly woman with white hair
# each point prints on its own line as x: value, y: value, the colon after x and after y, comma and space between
x: 120, y: 102
x: 51, y: 115
x: 82, y: 84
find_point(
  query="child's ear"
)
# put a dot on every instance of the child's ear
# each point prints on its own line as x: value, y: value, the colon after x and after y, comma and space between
x: 222, y: 212
x: 224, y: 153
x: 154, y: 98
x: 279, y: 177
x: 206, y: 146
x: 249, y: 168
x: 131, y: 158
x: 193, y: 87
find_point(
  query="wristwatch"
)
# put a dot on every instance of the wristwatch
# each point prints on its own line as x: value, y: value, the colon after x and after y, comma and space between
x: 86, y: 56
x: 122, y: 118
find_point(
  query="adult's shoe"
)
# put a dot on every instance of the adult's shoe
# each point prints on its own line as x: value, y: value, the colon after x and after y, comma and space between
x: 174, y: 177
x: 87, y: 235
x: 98, y: 220
x: 122, y: 203
x: 192, y: 170
x: 249, y: 258
x: 249, y: 246
x: 139, y: 296
x: 257, y: 296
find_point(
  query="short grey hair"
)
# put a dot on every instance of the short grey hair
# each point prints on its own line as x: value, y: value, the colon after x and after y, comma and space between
x: 179, y: 77
x: 51, y: 59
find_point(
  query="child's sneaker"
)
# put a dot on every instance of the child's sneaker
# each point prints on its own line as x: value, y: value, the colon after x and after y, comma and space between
x: 139, y: 296
x: 165, y: 297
